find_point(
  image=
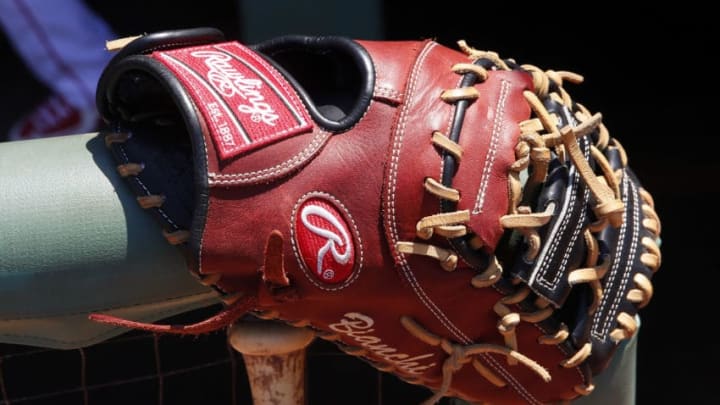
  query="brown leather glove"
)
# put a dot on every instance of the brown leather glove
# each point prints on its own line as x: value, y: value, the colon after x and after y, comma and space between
x: 451, y: 217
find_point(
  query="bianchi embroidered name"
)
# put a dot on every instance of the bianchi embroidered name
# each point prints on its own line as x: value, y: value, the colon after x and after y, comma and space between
x: 229, y: 82
x: 359, y: 328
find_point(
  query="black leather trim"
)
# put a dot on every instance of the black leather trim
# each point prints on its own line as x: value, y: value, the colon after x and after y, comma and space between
x: 550, y: 272
x: 154, y: 42
x: 321, y: 45
x: 624, y: 264
x: 478, y: 259
x: 164, y: 40
x: 106, y: 102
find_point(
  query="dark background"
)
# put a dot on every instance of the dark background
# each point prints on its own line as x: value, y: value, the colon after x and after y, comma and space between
x: 650, y: 72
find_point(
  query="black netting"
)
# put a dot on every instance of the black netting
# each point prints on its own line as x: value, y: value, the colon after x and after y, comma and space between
x: 141, y: 368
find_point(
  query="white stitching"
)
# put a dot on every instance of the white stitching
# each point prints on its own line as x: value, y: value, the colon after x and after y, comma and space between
x: 209, y: 202
x: 552, y: 284
x: 613, y: 272
x: 296, y: 250
x: 277, y: 76
x: 292, y: 96
x: 563, y: 224
x: 392, y: 185
x: 610, y: 316
x: 442, y: 168
x: 571, y: 243
x: 492, y: 151
x: 382, y: 91
x: 442, y: 161
x: 280, y: 168
x: 196, y: 85
x: 633, y: 250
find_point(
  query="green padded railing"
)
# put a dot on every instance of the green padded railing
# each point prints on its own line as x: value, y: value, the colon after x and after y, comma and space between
x: 73, y: 240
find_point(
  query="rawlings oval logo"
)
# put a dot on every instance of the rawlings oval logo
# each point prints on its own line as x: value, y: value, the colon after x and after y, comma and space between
x: 325, y: 239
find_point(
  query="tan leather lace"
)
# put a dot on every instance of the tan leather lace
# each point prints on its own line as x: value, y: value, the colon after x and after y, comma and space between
x: 539, y: 135
x: 459, y: 355
x: 275, y: 285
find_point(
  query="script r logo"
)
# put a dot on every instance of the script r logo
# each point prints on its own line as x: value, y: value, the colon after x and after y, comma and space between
x: 326, y: 241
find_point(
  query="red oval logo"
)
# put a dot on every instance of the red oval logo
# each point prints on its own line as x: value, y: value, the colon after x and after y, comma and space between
x: 325, y: 242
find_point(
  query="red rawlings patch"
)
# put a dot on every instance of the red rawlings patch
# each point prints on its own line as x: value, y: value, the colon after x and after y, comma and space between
x: 325, y: 242
x: 244, y: 100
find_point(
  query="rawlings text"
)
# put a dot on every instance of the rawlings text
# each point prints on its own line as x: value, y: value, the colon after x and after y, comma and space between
x: 228, y: 81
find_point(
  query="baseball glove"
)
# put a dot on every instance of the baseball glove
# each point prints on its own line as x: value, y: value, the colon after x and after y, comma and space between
x: 449, y: 216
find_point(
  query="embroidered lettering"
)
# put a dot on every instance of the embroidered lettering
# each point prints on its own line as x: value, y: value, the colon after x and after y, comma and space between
x: 359, y: 328
x: 334, y: 239
x: 228, y: 81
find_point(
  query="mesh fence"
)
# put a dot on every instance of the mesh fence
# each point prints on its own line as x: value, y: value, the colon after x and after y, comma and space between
x: 141, y: 368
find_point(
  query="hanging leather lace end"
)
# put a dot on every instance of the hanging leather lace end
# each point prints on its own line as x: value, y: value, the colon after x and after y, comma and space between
x: 223, y: 319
